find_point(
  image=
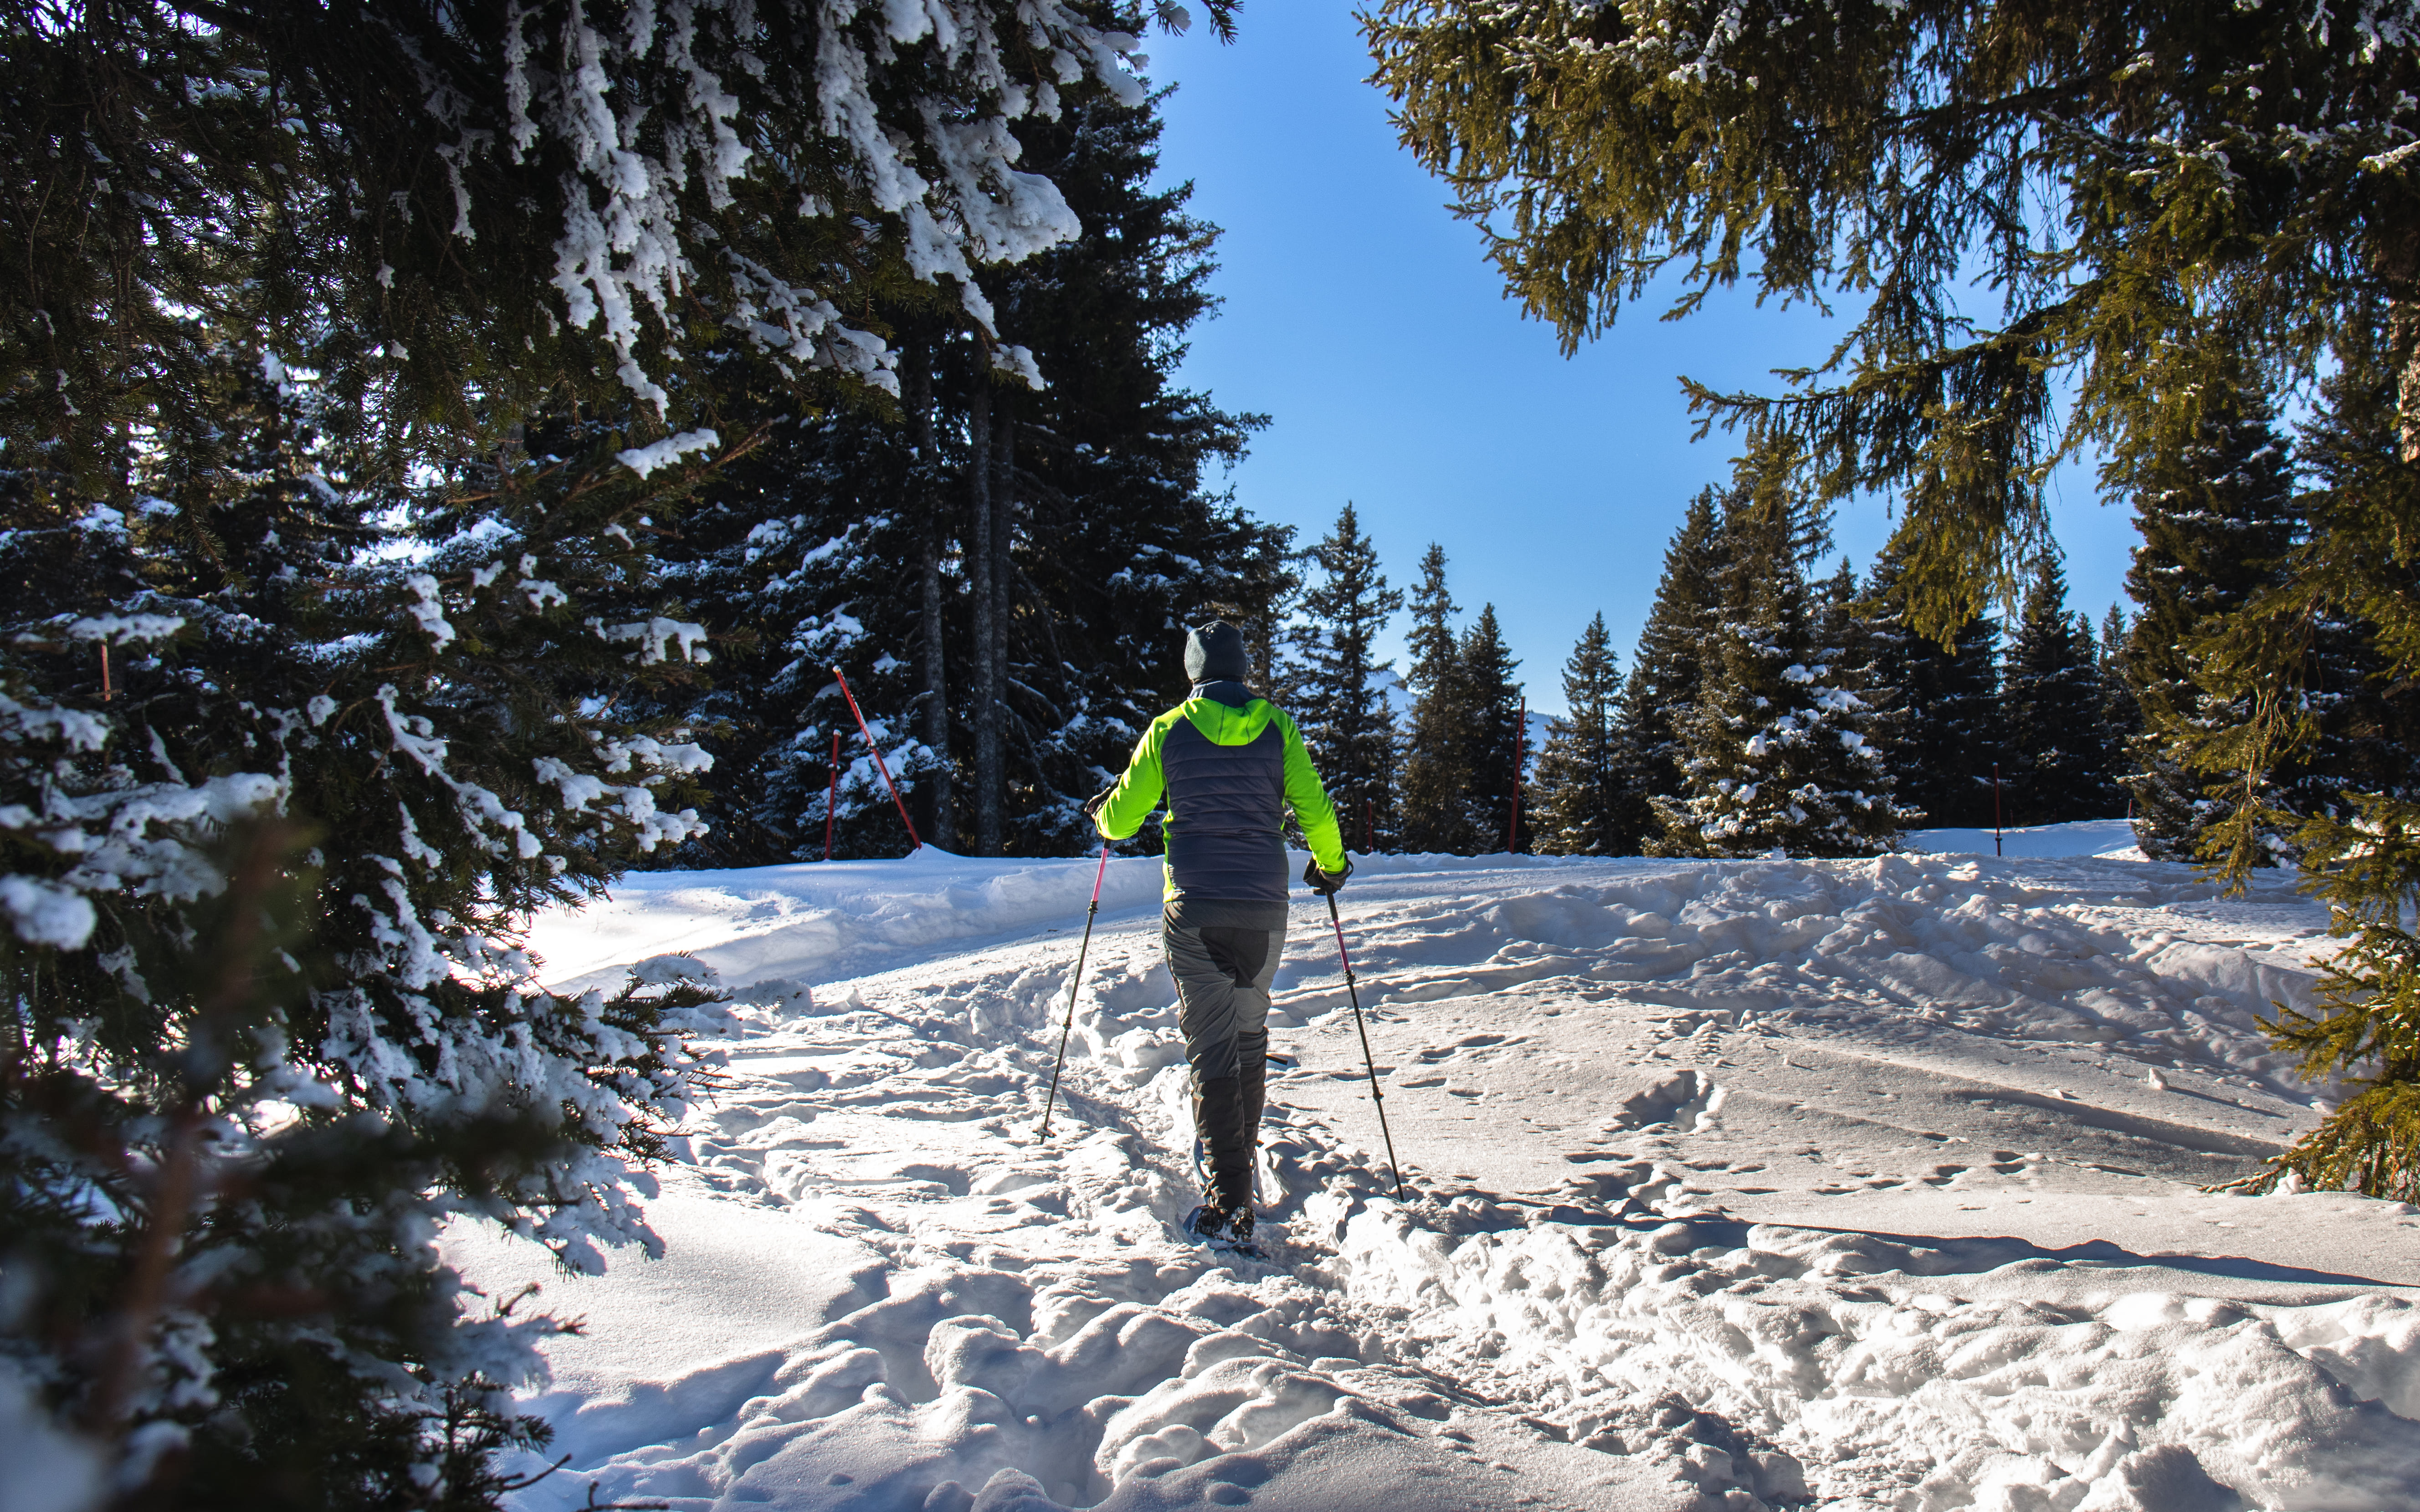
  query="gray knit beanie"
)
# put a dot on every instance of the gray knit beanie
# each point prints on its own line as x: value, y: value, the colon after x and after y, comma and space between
x: 1214, y: 653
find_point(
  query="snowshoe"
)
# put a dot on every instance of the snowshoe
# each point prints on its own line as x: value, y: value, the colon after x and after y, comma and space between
x: 1228, y: 1232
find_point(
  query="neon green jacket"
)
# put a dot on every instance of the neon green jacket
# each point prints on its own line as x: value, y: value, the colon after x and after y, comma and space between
x: 1228, y: 764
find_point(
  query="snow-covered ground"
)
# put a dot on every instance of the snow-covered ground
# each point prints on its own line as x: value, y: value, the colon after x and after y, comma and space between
x: 2110, y: 840
x: 1858, y: 1184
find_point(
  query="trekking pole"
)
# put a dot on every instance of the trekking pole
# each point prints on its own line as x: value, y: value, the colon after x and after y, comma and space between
x: 1377, y: 1099
x: 1069, y: 1022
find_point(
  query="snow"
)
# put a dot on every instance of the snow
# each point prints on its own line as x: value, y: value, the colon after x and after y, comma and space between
x: 429, y: 609
x: 2111, y: 839
x: 645, y: 460
x: 657, y: 637
x: 1868, y: 1184
x: 43, y: 912
x: 124, y: 629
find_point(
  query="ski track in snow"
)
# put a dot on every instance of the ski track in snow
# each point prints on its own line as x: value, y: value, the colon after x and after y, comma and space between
x: 1732, y: 1185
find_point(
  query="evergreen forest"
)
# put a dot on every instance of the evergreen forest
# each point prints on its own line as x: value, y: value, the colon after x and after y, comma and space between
x: 454, y: 456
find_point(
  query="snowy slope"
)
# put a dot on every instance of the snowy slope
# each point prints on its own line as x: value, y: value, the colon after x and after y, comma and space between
x: 1862, y: 1184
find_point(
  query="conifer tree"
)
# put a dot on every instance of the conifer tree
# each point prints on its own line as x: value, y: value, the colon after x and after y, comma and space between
x: 1076, y: 513
x: 451, y: 248
x: 1118, y: 540
x: 1333, y: 692
x: 1836, y: 598
x: 2217, y: 516
x: 350, y: 367
x: 1498, y: 746
x: 1891, y: 651
x: 1864, y: 655
x: 1952, y: 729
x: 1581, y: 803
x: 2342, y: 703
x: 1902, y: 152
x: 1263, y: 584
x: 1661, y: 697
x: 2121, y: 714
x: 1436, y: 765
x: 286, y: 684
x: 1963, y: 745
x: 2061, y: 765
x: 1776, y: 764
x: 2301, y: 720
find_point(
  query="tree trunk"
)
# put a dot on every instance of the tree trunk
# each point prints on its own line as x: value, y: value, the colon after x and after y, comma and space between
x: 940, y: 823
x: 1004, y: 535
x: 2403, y: 328
x: 982, y: 575
x: 1355, y: 728
x: 2399, y: 267
x: 2403, y: 349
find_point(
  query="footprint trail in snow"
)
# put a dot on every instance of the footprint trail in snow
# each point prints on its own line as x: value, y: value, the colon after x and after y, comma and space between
x: 1734, y: 1186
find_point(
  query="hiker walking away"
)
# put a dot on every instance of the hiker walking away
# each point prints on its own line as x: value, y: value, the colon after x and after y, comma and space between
x: 1229, y: 763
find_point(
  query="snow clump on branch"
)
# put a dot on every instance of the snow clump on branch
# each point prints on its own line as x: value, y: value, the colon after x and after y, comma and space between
x: 652, y: 118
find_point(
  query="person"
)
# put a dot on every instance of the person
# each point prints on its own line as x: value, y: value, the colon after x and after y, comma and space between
x: 1228, y: 764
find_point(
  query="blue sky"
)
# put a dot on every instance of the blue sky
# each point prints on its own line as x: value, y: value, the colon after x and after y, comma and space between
x: 1363, y: 318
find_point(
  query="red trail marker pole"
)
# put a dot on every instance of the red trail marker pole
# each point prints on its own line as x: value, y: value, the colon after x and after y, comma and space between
x: 832, y: 799
x: 884, y: 767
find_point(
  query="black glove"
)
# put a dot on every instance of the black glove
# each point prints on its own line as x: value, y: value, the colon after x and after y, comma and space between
x: 1325, y: 883
x: 1093, y: 804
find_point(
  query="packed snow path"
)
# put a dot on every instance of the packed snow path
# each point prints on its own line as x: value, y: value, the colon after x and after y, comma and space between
x: 1853, y: 1185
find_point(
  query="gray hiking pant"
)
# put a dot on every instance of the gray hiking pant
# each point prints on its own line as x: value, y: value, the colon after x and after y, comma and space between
x: 1222, y: 989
